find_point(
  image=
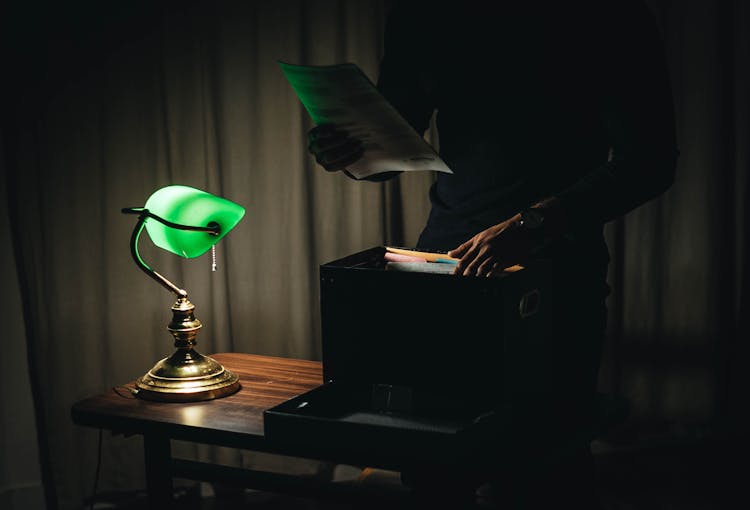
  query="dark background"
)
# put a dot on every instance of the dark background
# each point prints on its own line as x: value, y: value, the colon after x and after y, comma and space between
x: 104, y: 103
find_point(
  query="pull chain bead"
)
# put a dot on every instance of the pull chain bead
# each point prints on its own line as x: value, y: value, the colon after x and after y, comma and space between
x: 213, y: 258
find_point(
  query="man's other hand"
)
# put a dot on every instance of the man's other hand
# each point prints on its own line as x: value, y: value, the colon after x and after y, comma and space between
x: 509, y: 243
x: 494, y: 249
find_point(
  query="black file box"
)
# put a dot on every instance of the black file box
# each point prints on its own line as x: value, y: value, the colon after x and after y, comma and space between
x: 414, y: 360
x: 446, y: 337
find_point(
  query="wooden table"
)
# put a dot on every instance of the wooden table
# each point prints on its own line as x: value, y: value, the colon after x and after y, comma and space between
x: 233, y: 421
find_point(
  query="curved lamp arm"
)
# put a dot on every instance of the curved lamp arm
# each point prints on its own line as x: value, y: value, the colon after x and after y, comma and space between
x: 143, y: 215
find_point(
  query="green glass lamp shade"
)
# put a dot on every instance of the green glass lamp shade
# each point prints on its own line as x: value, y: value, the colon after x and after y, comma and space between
x: 189, y: 206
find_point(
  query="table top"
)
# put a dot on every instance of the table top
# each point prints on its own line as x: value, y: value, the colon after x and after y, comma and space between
x: 235, y: 420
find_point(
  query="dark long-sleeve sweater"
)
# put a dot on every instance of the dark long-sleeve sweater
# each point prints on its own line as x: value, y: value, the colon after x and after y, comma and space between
x: 534, y: 100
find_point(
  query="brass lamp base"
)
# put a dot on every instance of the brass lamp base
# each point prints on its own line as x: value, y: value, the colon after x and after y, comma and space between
x: 187, y: 376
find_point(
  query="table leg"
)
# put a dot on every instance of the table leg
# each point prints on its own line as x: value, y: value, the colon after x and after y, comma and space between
x: 158, y: 457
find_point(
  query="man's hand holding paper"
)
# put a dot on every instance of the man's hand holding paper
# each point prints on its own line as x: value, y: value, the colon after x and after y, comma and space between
x: 357, y: 128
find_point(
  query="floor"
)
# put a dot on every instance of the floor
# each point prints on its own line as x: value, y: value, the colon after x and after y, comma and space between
x: 671, y: 476
x: 666, y: 477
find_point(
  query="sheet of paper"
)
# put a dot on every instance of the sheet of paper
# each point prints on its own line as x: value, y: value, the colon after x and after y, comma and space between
x: 421, y: 267
x: 343, y: 95
x: 426, y: 255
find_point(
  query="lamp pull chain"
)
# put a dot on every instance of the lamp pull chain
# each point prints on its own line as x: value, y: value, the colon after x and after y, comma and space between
x: 213, y: 258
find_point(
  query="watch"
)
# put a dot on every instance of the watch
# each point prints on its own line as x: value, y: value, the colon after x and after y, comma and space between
x: 531, y: 219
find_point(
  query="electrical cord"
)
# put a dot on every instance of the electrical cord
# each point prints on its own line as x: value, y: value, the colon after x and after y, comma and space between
x: 124, y: 392
x: 98, y: 469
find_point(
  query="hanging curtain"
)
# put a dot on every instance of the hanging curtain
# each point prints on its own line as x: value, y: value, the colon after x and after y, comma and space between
x: 678, y: 314
x: 117, y: 103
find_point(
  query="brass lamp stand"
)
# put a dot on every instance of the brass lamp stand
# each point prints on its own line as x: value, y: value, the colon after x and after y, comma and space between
x: 186, y: 375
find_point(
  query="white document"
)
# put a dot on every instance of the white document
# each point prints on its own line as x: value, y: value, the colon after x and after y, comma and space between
x: 421, y: 267
x: 343, y: 95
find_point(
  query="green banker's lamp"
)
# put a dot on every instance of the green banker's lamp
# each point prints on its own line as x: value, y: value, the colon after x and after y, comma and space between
x: 187, y: 222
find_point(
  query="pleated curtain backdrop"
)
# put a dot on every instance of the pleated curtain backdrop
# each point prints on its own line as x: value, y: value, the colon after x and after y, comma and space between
x: 682, y: 298
x: 183, y: 94
x: 112, y: 106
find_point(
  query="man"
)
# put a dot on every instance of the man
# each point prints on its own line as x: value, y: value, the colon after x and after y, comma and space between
x: 555, y: 117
